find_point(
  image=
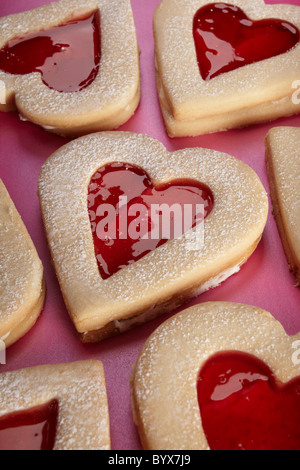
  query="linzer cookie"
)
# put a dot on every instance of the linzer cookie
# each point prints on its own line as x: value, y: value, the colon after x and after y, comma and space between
x: 225, y: 65
x: 135, y: 231
x: 71, y: 67
x: 54, y: 407
x: 283, y: 163
x: 22, y: 284
x: 218, y: 376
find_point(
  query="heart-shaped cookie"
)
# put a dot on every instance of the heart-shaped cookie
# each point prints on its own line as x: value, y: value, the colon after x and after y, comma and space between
x: 245, y: 77
x: 22, y: 284
x: 71, y: 69
x: 168, y: 275
x: 218, y: 376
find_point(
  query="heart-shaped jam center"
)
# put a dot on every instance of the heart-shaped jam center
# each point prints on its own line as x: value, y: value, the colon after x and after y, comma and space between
x: 226, y: 39
x: 67, y: 56
x: 33, y: 429
x: 243, y: 407
x: 130, y: 216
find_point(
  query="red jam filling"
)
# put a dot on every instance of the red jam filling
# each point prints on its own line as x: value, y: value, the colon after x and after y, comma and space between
x: 226, y: 39
x: 243, y: 406
x: 67, y: 56
x: 130, y: 216
x: 33, y: 429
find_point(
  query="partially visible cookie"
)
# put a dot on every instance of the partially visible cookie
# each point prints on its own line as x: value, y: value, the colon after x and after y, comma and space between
x: 283, y: 164
x: 81, y: 72
x: 22, y: 284
x: 60, y: 407
x: 218, y: 375
x: 225, y: 65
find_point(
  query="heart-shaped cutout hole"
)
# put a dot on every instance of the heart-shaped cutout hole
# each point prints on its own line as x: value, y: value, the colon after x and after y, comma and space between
x: 33, y: 429
x: 67, y: 56
x: 227, y: 39
x: 243, y: 407
x: 130, y: 216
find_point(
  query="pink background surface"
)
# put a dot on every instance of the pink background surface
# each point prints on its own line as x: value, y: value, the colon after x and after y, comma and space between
x: 264, y: 281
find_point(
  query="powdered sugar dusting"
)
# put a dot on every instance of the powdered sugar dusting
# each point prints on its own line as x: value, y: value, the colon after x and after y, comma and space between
x: 80, y: 391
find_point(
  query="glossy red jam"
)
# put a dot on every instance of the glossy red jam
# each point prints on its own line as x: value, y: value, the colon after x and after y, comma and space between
x: 130, y: 216
x: 67, y: 56
x: 33, y: 429
x: 226, y: 39
x: 243, y: 407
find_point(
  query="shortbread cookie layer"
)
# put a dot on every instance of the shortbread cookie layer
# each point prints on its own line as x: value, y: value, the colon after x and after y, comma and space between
x: 167, y: 276
x: 283, y: 163
x: 22, y: 284
x: 258, y: 92
x: 164, y: 380
x: 109, y: 101
x: 80, y: 392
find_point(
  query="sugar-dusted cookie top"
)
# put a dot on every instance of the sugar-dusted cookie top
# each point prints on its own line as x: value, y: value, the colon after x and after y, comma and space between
x: 69, y: 399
